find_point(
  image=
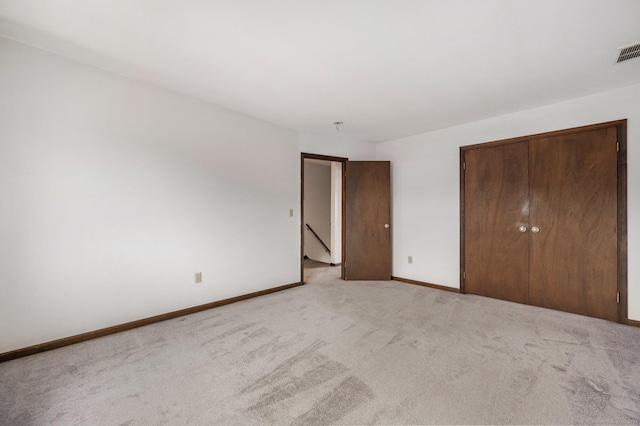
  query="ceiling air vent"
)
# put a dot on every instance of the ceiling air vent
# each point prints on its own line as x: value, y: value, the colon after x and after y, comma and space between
x: 629, y: 52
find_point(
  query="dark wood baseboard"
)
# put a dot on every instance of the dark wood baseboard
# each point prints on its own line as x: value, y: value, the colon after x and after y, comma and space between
x: 436, y: 286
x: 633, y: 323
x: 66, y: 341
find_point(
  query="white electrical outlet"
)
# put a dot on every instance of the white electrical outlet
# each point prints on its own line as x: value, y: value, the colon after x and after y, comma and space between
x: 410, y: 259
x: 198, y: 276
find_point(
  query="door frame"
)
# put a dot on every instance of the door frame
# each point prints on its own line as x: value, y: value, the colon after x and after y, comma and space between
x: 308, y: 156
x: 622, y: 265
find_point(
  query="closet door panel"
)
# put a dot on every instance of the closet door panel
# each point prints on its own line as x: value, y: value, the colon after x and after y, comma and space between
x: 573, y: 257
x: 496, y: 206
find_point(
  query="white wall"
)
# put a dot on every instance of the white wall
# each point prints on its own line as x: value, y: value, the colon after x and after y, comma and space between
x: 317, y: 209
x: 114, y: 193
x: 336, y: 144
x: 425, y: 182
x: 336, y: 212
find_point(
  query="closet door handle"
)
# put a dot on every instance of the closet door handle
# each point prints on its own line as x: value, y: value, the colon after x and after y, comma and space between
x: 535, y: 229
x: 522, y: 229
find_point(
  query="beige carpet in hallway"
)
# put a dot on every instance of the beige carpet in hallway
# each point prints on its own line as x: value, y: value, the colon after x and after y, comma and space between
x: 334, y: 352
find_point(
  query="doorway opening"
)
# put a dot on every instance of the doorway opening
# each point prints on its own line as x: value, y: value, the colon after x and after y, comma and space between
x: 322, y: 200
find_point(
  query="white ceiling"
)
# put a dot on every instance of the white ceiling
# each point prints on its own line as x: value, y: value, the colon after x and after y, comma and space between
x: 387, y: 68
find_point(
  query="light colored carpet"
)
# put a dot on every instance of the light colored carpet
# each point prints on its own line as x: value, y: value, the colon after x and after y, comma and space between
x: 334, y: 352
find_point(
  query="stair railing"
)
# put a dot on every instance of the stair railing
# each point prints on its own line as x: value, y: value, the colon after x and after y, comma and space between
x: 318, y: 238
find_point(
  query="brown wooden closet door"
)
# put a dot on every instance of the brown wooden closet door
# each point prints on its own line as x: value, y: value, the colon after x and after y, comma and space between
x: 367, y: 221
x: 496, y: 203
x: 573, y: 203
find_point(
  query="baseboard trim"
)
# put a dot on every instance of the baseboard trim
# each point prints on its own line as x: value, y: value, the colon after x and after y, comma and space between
x: 335, y: 264
x: 66, y: 341
x: 633, y: 323
x: 436, y: 286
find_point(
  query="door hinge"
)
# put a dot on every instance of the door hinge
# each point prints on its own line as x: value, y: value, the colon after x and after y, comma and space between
x: 618, y: 146
x: 464, y: 275
x: 464, y: 165
x: 618, y: 298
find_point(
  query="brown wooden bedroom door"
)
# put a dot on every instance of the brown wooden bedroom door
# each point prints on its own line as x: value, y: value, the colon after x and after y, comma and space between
x: 367, y: 221
x: 540, y: 219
